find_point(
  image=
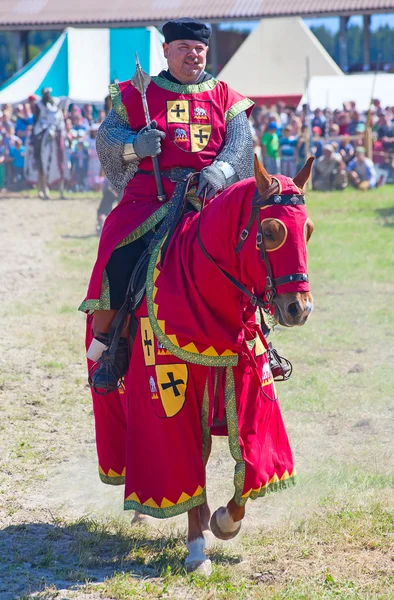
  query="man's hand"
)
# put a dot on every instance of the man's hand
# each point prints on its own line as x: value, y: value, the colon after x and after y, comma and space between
x: 212, y: 181
x: 147, y: 142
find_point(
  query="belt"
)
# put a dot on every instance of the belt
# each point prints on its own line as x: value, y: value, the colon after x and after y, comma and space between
x: 176, y: 174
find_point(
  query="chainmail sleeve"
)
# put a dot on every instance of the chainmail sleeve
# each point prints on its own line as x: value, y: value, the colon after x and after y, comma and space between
x: 238, y: 148
x: 110, y: 140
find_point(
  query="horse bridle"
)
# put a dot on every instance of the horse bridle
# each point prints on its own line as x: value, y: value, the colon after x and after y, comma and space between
x: 269, y: 198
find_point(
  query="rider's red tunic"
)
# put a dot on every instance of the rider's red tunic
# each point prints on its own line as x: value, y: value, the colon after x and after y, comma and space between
x: 194, y: 118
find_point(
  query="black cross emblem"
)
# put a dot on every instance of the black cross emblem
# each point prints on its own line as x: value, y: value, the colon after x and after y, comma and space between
x: 147, y: 342
x: 173, y: 384
x: 200, y: 136
x: 178, y: 110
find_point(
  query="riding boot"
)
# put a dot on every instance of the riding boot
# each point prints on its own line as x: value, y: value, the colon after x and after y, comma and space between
x: 110, y: 368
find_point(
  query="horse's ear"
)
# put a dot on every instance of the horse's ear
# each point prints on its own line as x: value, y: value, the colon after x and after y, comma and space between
x: 263, y: 179
x: 302, y: 177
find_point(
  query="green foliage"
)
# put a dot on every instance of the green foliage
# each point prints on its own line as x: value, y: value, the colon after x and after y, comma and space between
x: 382, y: 43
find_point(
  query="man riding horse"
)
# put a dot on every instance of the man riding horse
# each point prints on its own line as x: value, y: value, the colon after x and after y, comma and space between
x: 200, y: 364
x: 201, y: 126
x: 45, y: 162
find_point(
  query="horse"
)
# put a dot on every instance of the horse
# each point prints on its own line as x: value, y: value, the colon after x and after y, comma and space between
x: 200, y: 362
x: 45, y: 161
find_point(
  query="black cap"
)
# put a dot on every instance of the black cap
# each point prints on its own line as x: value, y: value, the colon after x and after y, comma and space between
x: 186, y: 29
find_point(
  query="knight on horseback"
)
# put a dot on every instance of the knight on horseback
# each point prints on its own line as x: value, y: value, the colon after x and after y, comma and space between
x: 202, y: 135
x: 45, y: 162
x: 199, y: 279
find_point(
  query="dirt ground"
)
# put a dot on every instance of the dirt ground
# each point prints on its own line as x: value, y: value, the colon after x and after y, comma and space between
x: 55, y: 513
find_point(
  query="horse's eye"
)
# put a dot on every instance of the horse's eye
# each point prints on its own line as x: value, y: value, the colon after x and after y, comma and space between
x: 268, y: 234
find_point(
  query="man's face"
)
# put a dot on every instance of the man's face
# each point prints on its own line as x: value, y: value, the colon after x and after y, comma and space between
x: 186, y: 59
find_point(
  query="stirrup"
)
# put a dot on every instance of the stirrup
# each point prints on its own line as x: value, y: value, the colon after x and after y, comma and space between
x: 281, y: 368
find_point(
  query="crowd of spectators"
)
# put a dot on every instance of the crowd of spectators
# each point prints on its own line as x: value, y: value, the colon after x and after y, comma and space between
x: 283, y: 138
x: 81, y: 124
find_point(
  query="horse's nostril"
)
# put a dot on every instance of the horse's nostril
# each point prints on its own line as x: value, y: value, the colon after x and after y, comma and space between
x: 294, y: 308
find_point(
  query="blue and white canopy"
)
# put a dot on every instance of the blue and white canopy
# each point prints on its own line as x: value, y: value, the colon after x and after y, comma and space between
x: 83, y: 62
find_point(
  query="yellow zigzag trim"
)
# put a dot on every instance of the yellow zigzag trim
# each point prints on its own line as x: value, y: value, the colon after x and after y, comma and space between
x: 112, y: 473
x: 274, y: 479
x: 165, y: 503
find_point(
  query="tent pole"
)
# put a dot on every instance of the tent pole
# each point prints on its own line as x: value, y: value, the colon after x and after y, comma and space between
x: 343, y: 21
x: 309, y: 118
x: 213, y: 50
x: 25, y: 44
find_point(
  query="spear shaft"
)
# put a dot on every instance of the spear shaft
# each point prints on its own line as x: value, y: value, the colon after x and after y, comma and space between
x: 141, y: 81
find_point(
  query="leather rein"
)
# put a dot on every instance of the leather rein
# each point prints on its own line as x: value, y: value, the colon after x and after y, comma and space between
x: 269, y: 198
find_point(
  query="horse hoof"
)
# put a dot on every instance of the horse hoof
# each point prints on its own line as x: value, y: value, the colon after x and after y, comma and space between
x: 140, y: 519
x: 202, y: 567
x: 219, y: 533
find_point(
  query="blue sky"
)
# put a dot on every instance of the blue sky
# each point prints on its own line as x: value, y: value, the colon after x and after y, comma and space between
x: 331, y: 23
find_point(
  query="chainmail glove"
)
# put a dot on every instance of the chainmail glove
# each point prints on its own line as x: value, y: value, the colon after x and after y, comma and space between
x: 212, y: 181
x: 147, y: 142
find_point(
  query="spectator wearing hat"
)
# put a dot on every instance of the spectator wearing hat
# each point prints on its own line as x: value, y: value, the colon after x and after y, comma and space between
x: 362, y: 172
x: 270, y: 148
x: 330, y: 172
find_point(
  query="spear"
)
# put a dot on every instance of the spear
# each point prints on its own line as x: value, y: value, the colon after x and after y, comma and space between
x: 140, y: 81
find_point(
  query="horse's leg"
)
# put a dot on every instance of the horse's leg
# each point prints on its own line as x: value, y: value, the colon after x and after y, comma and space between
x: 226, y: 521
x: 41, y: 193
x: 205, y: 512
x: 196, y: 559
x: 61, y: 189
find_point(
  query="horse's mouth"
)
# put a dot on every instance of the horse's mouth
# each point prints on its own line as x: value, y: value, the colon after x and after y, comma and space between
x: 293, y: 310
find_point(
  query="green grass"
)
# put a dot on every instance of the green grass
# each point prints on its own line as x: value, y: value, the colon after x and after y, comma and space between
x: 331, y: 537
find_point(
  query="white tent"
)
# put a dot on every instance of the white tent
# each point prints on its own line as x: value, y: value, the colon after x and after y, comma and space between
x: 271, y: 63
x: 332, y: 92
x: 82, y: 62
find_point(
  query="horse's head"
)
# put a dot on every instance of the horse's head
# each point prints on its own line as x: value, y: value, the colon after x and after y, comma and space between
x: 283, y: 232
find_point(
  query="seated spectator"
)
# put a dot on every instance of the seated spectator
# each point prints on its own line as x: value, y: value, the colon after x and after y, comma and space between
x: 362, y: 173
x: 270, y: 148
x: 17, y: 156
x: 80, y: 162
x: 287, y: 153
x: 385, y: 131
x: 346, y: 149
x: 330, y: 172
